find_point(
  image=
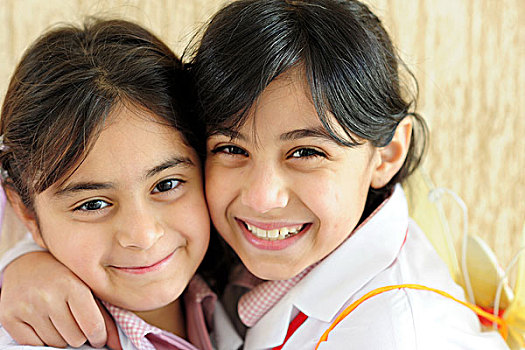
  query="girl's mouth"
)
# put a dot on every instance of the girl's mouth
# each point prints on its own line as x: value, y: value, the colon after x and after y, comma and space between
x: 273, y: 236
x: 139, y: 270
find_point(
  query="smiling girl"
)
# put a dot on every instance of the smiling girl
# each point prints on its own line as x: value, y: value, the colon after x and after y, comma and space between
x: 99, y: 157
x: 310, y: 132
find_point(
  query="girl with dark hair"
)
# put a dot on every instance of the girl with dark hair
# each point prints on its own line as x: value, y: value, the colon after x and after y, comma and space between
x: 310, y: 131
x: 99, y: 161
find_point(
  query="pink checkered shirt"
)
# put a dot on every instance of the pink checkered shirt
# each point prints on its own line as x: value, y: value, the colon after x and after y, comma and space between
x: 147, y: 337
x: 255, y: 303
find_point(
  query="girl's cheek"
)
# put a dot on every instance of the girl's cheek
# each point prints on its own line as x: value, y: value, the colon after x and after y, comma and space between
x: 216, y: 193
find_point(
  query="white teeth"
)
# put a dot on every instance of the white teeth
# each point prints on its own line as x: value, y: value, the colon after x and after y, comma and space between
x: 275, y: 234
x: 261, y: 233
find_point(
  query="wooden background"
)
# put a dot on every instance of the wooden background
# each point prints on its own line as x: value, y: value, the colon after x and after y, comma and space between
x: 467, y: 56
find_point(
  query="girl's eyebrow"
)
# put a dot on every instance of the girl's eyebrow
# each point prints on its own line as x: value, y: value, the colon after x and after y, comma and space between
x: 76, y: 187
x: 173, y: 162
x: 228, y: 133
x: 317, y: 132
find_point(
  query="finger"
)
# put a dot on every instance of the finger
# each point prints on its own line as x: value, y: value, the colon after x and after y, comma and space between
x: 68, y: 328
x: 47, y: 332
x: 111, y: 328
x: 33, y: 329
x: 88, y: 317
x: 23, y: 334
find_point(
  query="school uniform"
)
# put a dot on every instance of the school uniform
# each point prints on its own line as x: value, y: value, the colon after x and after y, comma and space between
x: 207, y: 326
x: 387, y: 249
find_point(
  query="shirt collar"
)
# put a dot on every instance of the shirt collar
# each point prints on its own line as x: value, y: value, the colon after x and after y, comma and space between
x: 134, y: 328
x: 371, y: 248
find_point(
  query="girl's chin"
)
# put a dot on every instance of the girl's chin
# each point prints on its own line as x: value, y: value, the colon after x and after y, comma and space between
x: 145, y: 300
x: 147, y: 306
x: 272, y: 270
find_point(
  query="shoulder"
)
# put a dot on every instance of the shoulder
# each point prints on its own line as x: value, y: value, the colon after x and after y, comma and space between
x: 412, y: 319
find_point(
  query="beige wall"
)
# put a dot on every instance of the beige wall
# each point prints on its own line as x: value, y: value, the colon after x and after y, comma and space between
x: 466, y: 54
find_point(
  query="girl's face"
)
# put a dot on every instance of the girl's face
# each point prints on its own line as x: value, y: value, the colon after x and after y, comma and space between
x: 131, y: 221
x: 281, y: 191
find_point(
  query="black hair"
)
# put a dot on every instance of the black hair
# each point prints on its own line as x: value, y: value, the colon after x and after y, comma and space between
x: 347, y: 57
x: 68, y: 82
x: 66, y: 85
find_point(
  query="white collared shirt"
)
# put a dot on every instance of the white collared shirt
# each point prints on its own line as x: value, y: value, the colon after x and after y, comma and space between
x: 389, y: 249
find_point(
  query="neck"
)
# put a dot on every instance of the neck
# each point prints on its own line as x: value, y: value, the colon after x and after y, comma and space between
x: 169, y: 318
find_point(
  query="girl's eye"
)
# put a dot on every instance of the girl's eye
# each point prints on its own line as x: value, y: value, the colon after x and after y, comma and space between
x: 97, y: 204
x: 307, y: 153
x: 230, y: 149
x: 166, y: 185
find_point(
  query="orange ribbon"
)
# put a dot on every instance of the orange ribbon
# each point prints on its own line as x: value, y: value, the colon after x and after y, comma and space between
x: 502, y: 325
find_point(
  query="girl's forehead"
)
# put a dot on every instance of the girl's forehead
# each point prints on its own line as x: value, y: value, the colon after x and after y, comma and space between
x: 131, y: 143
x: 136, y: 131
x: 287, y: 97
x: 129, y: 112
x: 285, y: 111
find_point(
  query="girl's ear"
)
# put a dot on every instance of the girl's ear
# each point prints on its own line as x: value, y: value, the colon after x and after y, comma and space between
x: 393, y: 155
x: 27, y: 216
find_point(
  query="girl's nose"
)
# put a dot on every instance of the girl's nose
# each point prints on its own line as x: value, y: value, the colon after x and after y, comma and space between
x: 264, y: 189
x: 139, y: 228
